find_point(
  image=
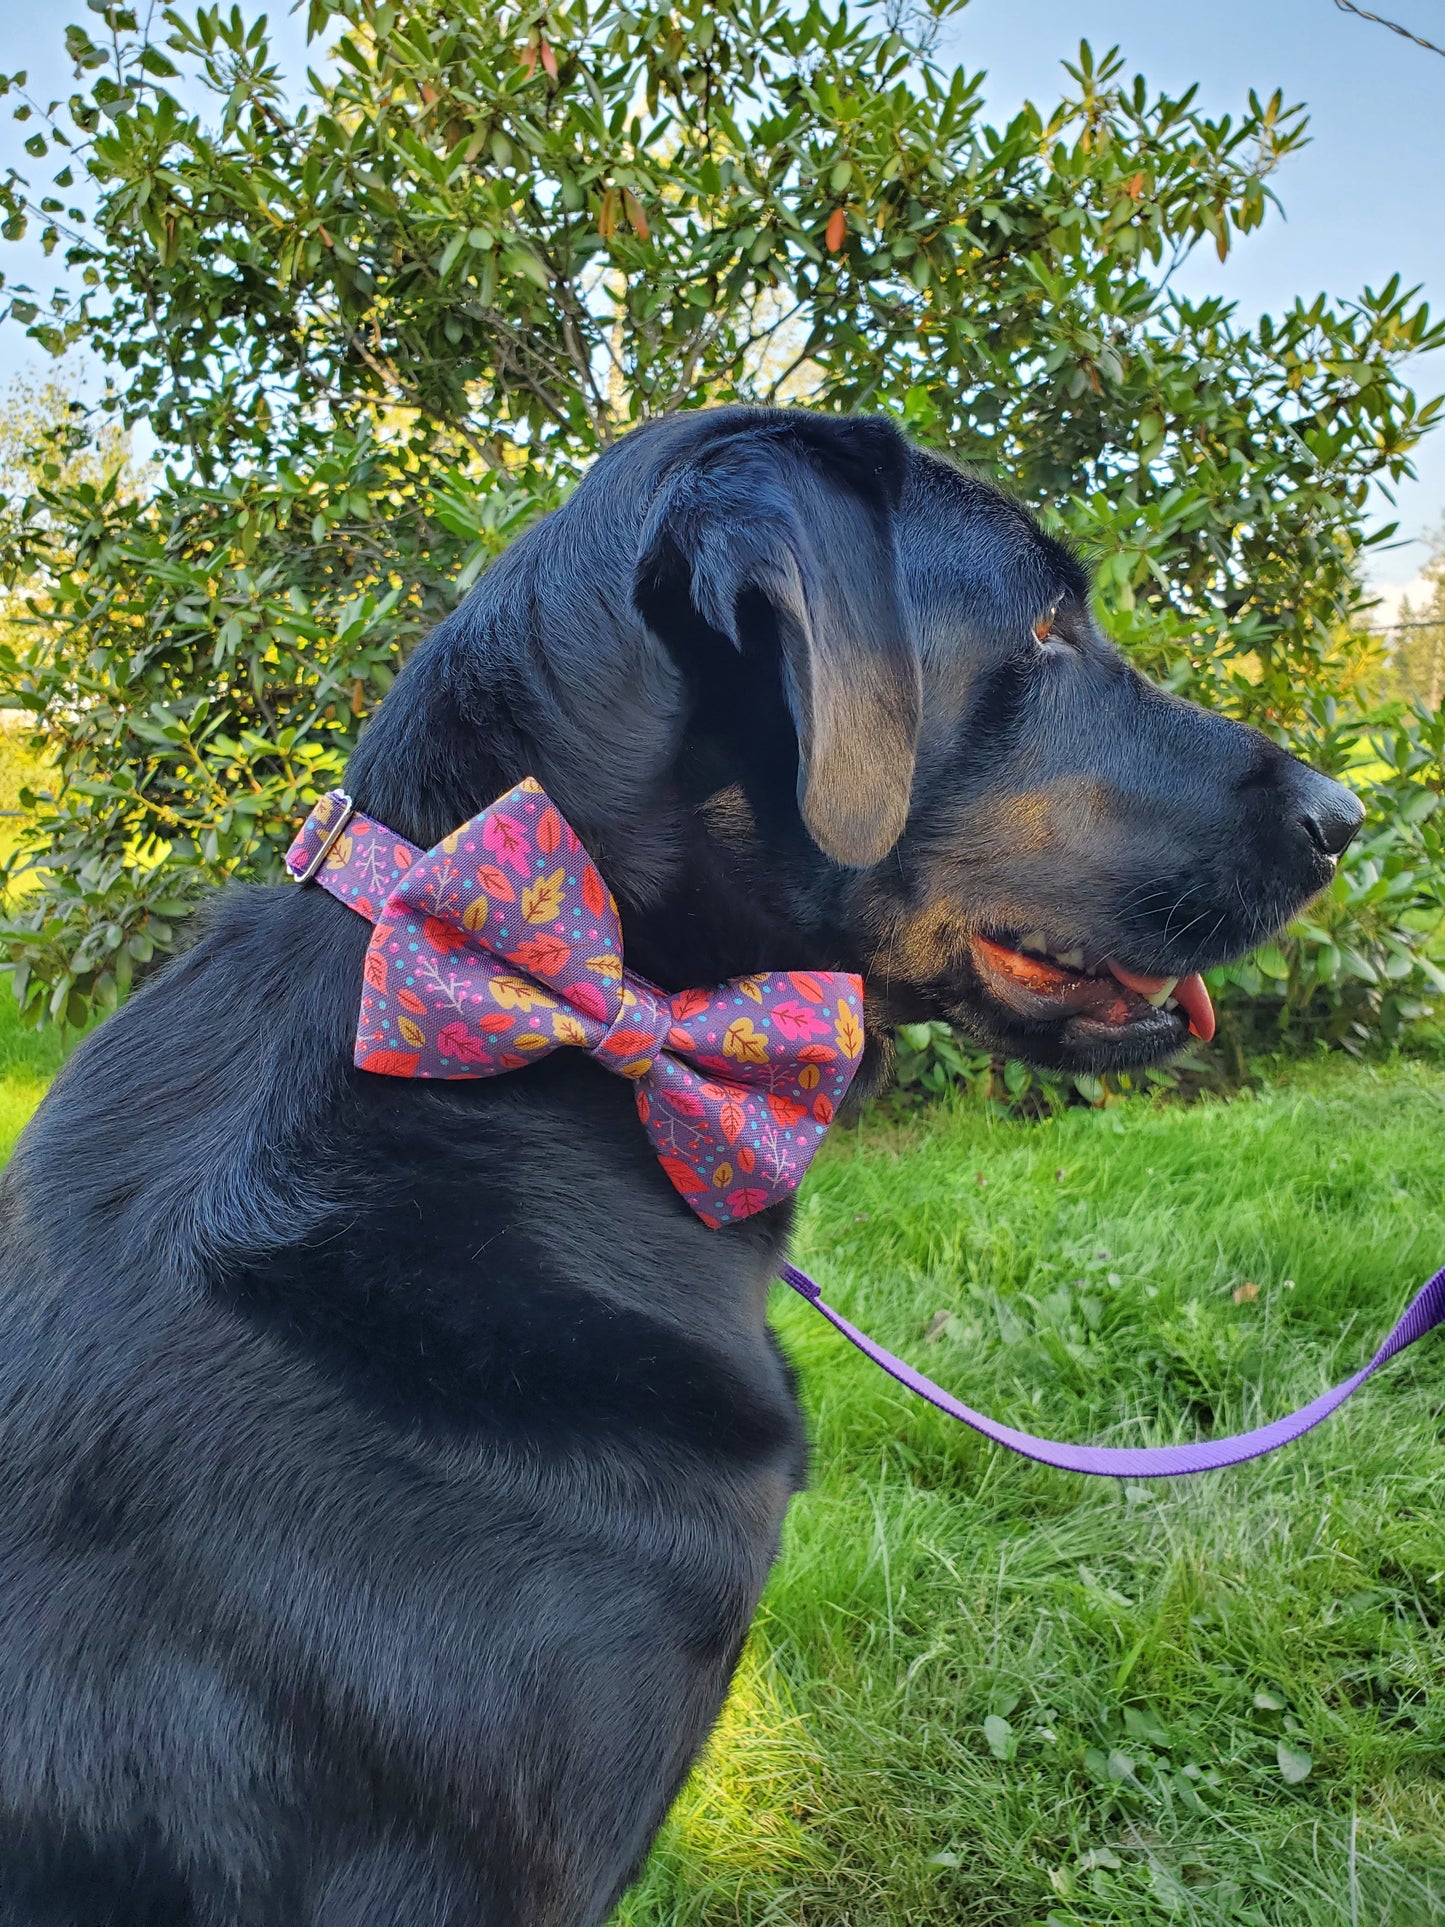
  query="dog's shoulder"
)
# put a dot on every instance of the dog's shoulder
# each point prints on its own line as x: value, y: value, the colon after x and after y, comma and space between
x: 500, y: 1256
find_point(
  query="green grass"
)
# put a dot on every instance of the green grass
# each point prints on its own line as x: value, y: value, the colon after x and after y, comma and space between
x: 21, y: 767
x: 1144, y: 1657
x: 982, y: 1694
x: 28, y: 1061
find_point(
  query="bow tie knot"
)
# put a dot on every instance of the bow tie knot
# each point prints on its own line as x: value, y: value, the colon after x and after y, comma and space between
x: 641, y: 1028
x: 503, y: 944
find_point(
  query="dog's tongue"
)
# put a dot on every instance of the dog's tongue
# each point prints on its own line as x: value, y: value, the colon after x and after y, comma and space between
x: 1189, y: 992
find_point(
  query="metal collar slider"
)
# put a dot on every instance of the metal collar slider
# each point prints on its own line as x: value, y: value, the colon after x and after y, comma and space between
x: 346, y: 810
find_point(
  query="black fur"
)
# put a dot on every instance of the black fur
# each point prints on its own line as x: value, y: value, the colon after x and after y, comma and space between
x: 388, y: 1472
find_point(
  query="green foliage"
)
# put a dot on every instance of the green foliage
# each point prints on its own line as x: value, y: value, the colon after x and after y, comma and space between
x: 1416, y: 664
x: 376, y: 331
x: 28, y: 1060
x: 1365, y: 961
x: 932, y: 1059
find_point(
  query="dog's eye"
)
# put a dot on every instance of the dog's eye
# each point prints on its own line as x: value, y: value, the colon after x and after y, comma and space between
x: 1046, y: 628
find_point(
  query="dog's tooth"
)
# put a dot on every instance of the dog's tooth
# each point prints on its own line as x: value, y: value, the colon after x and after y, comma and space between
x: 1161, y: 996
x: 1072, y: 959
x: 1034, y: 941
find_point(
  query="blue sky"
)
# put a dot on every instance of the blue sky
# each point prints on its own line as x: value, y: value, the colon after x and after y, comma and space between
x: 1364, y: 201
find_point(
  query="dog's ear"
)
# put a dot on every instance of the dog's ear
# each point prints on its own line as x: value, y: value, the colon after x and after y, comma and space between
x: 789, y: 523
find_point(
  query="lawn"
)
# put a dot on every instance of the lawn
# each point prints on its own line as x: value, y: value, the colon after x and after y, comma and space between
x: 988, y: 1695
x: 28, y: 1061
x: 984, y: 1693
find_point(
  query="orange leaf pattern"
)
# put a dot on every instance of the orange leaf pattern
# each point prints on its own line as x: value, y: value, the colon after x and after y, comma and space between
x: 733, y: 1085
x: 817, y: 1054
x: 627, y: 1043
x: 496, y: 882
x: 443, y: 936
x: 594, y: 892
x: 515, y: 993
x: 545, y: 956
x: 390, y: 1063
x: 683, y: 1176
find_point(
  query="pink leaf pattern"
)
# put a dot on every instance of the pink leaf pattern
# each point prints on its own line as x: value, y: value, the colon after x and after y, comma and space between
x: 742, y: 1090
x: 797, y: 1020
x: 455, y: 1040
x: 501, y: 835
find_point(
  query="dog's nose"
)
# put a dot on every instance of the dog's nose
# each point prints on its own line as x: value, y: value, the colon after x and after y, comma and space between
x: 1331, y: 814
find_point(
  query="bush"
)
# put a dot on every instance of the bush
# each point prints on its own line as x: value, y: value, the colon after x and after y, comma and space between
x: 1360, y: 966
x: 374, y: 334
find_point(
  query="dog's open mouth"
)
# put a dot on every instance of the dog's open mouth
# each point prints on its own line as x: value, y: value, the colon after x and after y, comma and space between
x: 1043, y: 985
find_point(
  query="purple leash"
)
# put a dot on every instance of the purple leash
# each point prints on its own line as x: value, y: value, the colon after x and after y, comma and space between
x: 1425, y: 1311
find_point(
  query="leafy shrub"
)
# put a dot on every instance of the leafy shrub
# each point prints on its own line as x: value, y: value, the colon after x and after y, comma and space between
x: 374, y: 333
x: 1359, y: 965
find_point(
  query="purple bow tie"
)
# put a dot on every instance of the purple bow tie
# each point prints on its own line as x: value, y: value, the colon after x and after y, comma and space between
x: 503, y: 944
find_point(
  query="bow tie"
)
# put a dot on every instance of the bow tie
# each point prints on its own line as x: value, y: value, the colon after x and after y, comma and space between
x: 503, y: 944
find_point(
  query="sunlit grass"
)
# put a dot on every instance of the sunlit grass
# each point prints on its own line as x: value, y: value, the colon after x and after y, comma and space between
x: 28, y: 1061
x: 746, y: 1816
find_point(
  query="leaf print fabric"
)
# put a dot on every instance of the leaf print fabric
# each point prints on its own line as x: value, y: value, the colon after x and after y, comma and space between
x: 503, y: 944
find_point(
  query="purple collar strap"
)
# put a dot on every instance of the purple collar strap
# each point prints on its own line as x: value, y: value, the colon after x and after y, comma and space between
x: 503, y: 944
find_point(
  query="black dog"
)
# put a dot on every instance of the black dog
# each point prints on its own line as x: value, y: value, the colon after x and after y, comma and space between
x: 388, y: 1470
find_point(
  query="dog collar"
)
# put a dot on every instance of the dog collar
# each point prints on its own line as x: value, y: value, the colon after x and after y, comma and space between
x: 503, y: 944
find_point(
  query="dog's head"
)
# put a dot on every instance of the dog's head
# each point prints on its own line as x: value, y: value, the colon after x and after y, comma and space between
x: 816, y: 698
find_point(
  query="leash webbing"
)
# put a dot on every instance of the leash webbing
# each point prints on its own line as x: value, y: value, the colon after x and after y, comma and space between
x: 1425, y: 1311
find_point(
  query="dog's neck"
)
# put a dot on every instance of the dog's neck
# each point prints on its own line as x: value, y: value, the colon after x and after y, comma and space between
x: 532, y: 677
x: 687, y: 869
